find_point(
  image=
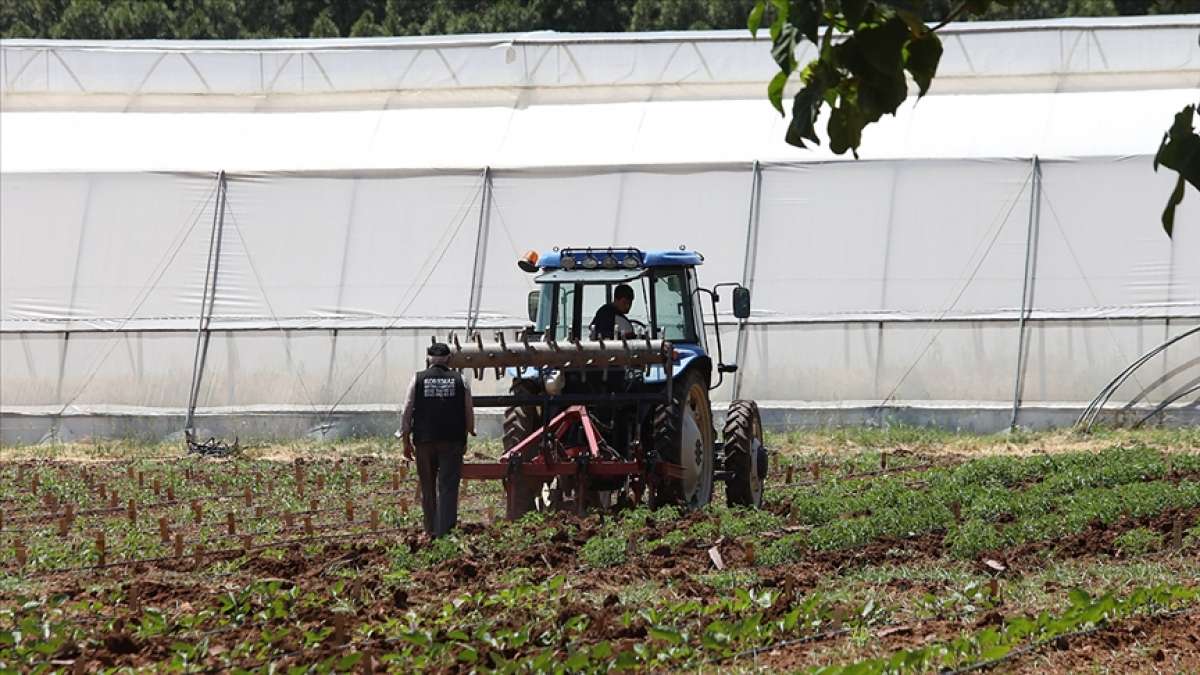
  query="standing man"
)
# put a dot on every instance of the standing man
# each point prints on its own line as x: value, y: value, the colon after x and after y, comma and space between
x: 438, y: 415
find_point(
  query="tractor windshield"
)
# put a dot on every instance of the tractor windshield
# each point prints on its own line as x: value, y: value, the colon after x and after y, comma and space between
x: 662, y: 305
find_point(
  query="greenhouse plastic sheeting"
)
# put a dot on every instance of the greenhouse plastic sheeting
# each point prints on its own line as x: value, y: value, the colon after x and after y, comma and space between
x: 1051, y: 56
x: 354, y: 223
x: 636, y: 134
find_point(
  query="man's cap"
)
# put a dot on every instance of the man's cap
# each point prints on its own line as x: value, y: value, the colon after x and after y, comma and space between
x: 438, y: 349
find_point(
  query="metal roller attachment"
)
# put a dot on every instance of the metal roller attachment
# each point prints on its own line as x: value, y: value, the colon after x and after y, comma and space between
x: 478, y: 355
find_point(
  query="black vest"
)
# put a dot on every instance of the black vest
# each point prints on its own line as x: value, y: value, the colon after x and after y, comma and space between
x: 439, y: 406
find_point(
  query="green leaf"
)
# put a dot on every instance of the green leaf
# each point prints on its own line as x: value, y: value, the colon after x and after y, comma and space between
x: 626, y: 660
x: 781, y: 18
x: 806, y: 108
x: 1079, y: 598
x: 602, y: 650
x: 808, y: 18
x: 577, y: 661
x: 665, y: 634
x: 845, y: 127
x: 755, y: 18
x: 467, y: 654
x: 775, y: 90
x: 921, y: 57
x: 783, y: 49
x: 874, y: 56
x: 1180, y: 152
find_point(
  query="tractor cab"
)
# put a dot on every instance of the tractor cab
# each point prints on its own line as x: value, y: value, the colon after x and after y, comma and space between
x: 573, y: 284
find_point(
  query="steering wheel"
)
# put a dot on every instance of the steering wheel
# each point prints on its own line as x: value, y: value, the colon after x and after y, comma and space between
x: 639, y: 328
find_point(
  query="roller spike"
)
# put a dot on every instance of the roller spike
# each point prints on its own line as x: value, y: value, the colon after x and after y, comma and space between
x: 454, y: 337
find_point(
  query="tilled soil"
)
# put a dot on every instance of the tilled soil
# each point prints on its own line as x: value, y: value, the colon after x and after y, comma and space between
x: 178, y: 586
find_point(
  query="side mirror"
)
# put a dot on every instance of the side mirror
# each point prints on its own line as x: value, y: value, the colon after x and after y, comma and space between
x: 741, y: 302
x: 535, y: 299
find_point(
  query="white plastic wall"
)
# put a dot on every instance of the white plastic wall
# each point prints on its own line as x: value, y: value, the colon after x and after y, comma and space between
x: 358, y: 199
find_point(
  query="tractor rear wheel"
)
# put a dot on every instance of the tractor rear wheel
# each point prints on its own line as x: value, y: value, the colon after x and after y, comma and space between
x: 745, y: 455
x: 519, y: 423
x: 684, y: 435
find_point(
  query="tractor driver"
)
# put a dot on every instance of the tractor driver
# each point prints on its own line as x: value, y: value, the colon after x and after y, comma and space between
x: 610, y: 322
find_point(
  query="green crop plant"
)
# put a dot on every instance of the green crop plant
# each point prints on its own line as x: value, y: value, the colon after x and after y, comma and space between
x: 789, y: 548
x: 1138, y: 541
x: 603, y: 551
x: 991, y: 644
x: 972, y: 537
x: 740, y: 522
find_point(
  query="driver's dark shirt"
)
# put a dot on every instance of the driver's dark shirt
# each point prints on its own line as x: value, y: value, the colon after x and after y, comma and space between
x: 604, y: 324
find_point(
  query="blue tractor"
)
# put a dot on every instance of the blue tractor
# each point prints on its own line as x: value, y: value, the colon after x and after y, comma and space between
x: 609, y: 396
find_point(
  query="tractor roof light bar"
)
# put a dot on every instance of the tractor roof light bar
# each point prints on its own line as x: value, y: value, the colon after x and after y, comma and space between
x: 591, y: 258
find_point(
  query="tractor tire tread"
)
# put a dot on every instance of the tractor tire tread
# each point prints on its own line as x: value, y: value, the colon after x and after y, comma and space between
x: 739, y: 443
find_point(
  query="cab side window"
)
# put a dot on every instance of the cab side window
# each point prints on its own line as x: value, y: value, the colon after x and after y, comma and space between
x: 673, y: 306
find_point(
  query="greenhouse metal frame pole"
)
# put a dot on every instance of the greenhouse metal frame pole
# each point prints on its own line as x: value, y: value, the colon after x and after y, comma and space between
x: 749, y: 263
x: 481, y: 242
x: 208, y: 300
x: 1031, y: 244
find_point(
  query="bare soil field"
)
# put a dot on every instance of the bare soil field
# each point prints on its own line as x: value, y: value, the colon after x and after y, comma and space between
x: 877, y: 551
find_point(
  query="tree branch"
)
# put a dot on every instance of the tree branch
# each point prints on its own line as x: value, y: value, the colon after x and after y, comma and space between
x: 954, y: 14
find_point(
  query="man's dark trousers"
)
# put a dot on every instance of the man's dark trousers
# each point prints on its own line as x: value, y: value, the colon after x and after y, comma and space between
x: 439, y: 467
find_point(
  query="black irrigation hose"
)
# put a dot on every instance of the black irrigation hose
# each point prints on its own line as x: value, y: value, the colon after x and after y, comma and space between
x: 1035, y: 646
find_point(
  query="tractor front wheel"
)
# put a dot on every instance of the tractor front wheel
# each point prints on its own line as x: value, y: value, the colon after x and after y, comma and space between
x: 683, y: 435
x: 745, y: 455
